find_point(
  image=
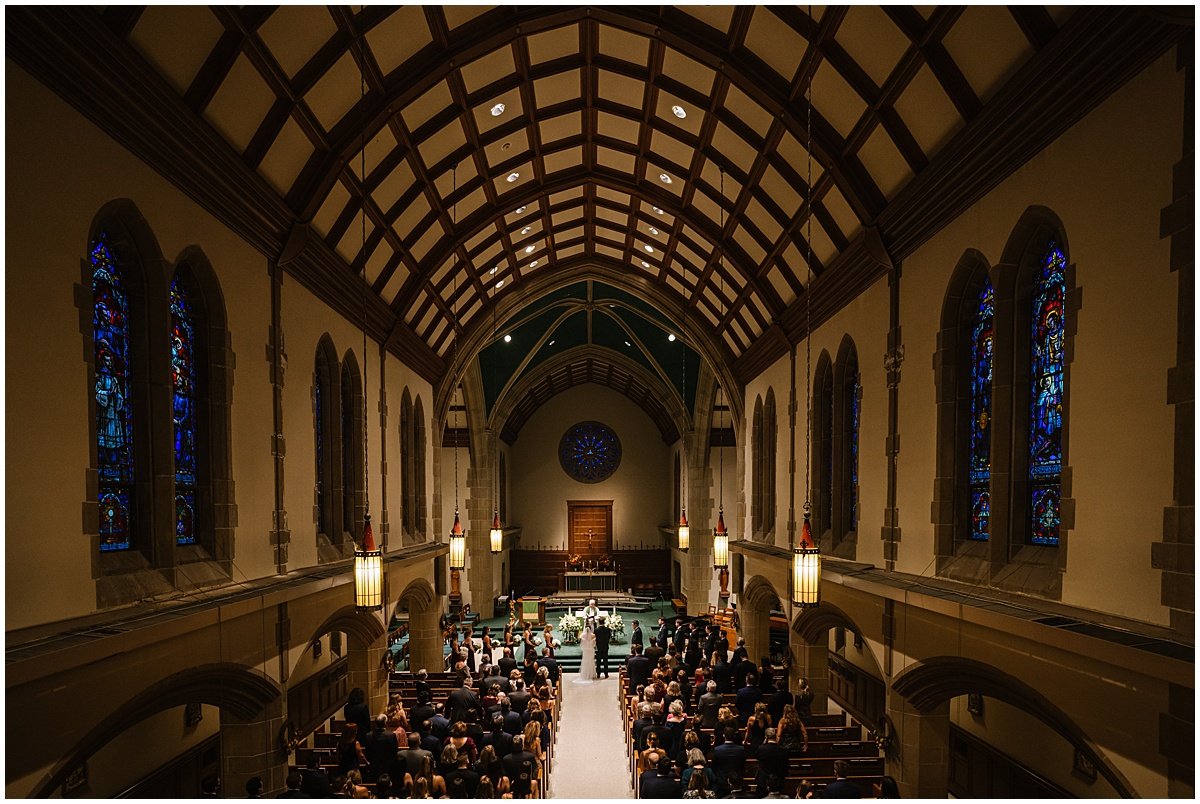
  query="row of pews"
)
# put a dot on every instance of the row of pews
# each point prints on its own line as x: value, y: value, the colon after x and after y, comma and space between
x: 829, y: 739
x: 323, y: 742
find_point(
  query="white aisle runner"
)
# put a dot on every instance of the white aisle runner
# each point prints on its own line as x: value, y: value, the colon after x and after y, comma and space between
x: 590, y: 759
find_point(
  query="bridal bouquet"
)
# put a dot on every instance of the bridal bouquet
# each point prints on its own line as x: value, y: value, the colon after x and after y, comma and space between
x: 569, y: 626
x: 617, y: 626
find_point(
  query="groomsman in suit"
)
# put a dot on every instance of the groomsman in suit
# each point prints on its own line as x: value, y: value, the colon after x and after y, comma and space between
x: 663, y: 632
x: 603, y: 635
x: 636, y: 637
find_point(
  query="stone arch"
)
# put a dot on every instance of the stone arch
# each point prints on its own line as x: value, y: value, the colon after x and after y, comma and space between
x: 929, y: 685
x: 755, y: 603
x: 810, y: 654
x: 243, y: 694
x: 363, y: 629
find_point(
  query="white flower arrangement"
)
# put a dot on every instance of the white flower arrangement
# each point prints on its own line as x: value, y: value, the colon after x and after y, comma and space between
x: 617, y: 626
x: 570, y: 626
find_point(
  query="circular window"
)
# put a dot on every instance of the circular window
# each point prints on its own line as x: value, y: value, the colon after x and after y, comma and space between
x: 589, y: 452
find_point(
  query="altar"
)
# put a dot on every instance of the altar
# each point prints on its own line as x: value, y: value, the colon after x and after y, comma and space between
x: 589, y: 581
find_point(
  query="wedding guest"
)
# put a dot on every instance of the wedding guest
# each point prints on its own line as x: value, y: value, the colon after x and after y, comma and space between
x: 708, y: 706
x: 379, y: 748
x: 354, y: 785
x: 357, y: 712
x: 462, y: 780
x: 772, y: 762
x: 491, y: 768
x: 841, y: 787
x: 660, y: 782
x: 461, y: 742
x: 349, y: 751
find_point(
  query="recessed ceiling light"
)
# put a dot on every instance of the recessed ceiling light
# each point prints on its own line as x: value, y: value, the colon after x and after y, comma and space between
x: 663, y: 177
x: 520, y: 210
x: 529, y: 249
x: 533, y: 264
x: 645, y: 264
x: 499, y: 108
x: 515, y: 175
x: 671, y: 337
x: 553, y: 342
x: 494, y: 270
x: 657, y: 211
x: 500, y: 284
x: 653, y: 231
x: 527, y: 230
x: 649, y: 248
x: 678, y: 110
x: 508, y: 338
x: 627, y: 343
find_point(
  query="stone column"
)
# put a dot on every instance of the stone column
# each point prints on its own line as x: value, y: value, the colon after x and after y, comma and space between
x: 919, y: 757
x: 479, y: 521
x: 251, y: 748
x: 424, y: 640
x: 755, y: 629
x: 367, y: 671
x: 810, y: 662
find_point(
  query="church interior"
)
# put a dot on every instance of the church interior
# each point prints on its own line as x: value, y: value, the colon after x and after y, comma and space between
x: 334, y: 330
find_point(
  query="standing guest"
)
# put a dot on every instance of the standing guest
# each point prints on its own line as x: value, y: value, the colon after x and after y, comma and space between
x: 804, y: 699
x: 315, y: 781
x: 507, y: 663
x: 772, y: 762
x: 518, y: 699
x: 603, y: 635
x: 499, y: 739
x: 521, y: 769
x: 841, y: 787
x: 486, y: 789
x: 462, y: 780
x: 778, y: 700
x: 440, y: 723
x: 379, y: 748
x: 292, y: 782
x: 756, y: 729
x: 655, y: 651
x: 548, y: 661
x: 409, y: 760
x: 729, y: 759
x: 529, y: 669
x: 635, y: 638
x: 349, y: 751
x: 462, y: 702
x: 685, y: 687
x: 397, y: 720
x: 699, y: 780
x: 660, y: 782
x: 766, y: 678
x: 747, y: 697
x: 793, y: 736
x: 357, y: 712
x: 429, y: 741
x: 424, y: 710
x: 424, y: 691
x: 383, y: 787
x: 491, y: 769
x: 463, y: 744
x: 722, y: 673
x: 708, y: 706
x: 638, y: 667
x: 742, y: 668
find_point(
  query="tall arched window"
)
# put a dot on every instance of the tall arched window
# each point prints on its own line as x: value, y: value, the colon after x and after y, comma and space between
x: 408, y: 489
x: 327, y: 397
x: 768, y: 463
x: 353, y: 497
x: 184, y: 381
x: 979, y: 464
x: 114, y: 400
x: 756, y: 468
x: 503, y: 488
x: 1047, y: 380
x: 419, y: 460
x: 822, y: 447
x: 847, y: 398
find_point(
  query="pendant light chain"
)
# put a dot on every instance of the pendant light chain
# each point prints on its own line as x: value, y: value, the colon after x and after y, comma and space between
x: 454, y: 336
x: 362, y: 174
x: 721, y: 274
x: 808, y: 290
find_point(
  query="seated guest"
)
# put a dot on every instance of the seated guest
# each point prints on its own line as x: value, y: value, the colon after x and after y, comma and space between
x: 354, y: 785
x: 292, y: 782
x: 315, y: 782
x: 462, y: 780
x: 841, y: 787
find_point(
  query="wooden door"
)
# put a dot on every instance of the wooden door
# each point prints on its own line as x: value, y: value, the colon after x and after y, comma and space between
x: 589, y: 528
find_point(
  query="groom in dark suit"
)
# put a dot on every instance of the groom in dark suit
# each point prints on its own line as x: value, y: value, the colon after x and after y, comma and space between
x: 603, y: 635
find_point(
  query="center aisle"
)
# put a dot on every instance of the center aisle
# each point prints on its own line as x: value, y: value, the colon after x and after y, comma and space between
x: 589, y: 756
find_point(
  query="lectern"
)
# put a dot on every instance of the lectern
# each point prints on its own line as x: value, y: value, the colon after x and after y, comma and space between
x: 533, y: 610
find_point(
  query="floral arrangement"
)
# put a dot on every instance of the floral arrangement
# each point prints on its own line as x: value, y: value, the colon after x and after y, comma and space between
x: 575, y: 561
x: 617, y: 626
x: 570, y: 626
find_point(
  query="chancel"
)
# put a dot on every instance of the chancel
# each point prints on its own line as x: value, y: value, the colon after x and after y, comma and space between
x: 602, y: 401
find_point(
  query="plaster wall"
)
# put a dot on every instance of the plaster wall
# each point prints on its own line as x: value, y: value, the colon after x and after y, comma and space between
x: 640, y: 488
x: 1107, y: 179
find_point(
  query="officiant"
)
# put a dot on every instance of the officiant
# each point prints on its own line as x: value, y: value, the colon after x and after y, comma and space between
x: 590, y: 611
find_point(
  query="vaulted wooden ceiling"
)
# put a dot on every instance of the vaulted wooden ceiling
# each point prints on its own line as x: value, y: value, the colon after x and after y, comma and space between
x: 459, y: 156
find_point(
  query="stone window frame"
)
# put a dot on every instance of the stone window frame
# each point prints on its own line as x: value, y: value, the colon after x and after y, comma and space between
x: 420, y: 461
x: 821, y: 493
x: 155, y: 564
x: 844, y: 532
x: 354, y: 501
x: 327, y: 475
x: 407, y: 466
x: 1006, y: 560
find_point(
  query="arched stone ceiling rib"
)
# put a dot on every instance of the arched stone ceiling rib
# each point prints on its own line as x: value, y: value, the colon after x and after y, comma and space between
x: 259, y: 114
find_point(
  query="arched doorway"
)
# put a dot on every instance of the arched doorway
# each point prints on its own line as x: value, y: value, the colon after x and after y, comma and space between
x: 811, y: 660
x: 424, y: 638
x: 755, y: 604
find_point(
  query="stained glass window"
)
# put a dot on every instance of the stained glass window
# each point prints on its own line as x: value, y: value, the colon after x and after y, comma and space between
x: 114, y: 408
x: 183, y: 380
x: 589, y: 452
x: 855, y: 410
x: 319, y: 418
x: 980, y: 442
x: 1046, y: 379
x: 349, y: 431
x: 825, y: 498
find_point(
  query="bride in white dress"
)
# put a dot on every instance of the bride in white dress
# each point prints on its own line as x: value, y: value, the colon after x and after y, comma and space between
x: 587, y: 661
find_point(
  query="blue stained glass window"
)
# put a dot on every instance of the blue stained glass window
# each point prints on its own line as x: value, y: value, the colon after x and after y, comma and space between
x: 589, y: 452
x: 980, y: 464
x: 318, y: 403
x: 183, y: 382
x: 855, y: 405
x: 114, y: 408
x: 1046, y: 377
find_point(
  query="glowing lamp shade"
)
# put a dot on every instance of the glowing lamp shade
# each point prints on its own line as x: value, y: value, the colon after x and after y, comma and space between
x: 368, y: 573
x: 720, y: 543
x: 806, y: 570
x: 685, y: 532
x: 496, y: 534
x: 458, y: 545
